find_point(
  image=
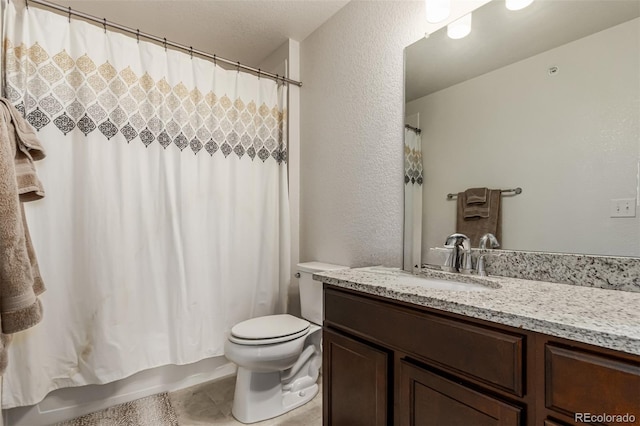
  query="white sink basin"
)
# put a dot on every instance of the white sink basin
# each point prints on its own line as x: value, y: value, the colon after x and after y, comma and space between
x: 405, y: 278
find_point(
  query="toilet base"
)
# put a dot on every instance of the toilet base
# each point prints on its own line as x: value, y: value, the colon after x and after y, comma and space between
x: 261, y: 396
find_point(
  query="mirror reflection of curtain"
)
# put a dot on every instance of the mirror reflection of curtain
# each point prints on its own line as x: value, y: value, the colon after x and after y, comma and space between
x: 413, y: 199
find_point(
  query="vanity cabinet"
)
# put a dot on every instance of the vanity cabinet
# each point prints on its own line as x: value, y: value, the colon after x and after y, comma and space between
x: 394, y: 363
x: 359, y: 382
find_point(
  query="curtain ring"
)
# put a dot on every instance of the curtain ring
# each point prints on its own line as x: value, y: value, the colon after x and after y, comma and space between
x: 215, y: 63
x: 104, y: 24
x: 138, y: 35
x: 259, y: 72
x: 238, y: 67
x: 191, y: 51
x: 69, y: 14
x: 165, y: 44
x: 26, y: 2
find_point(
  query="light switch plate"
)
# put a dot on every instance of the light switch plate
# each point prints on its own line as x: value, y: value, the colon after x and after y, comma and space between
x: 623, y: 207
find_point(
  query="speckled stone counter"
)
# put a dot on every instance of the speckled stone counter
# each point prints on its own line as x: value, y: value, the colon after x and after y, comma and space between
x: 606, y: 318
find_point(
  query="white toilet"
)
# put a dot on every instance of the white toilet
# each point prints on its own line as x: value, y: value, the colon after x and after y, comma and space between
x: 279, y: 356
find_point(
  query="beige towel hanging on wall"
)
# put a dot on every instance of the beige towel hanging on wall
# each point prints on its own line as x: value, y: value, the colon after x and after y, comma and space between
x: 20, y: 280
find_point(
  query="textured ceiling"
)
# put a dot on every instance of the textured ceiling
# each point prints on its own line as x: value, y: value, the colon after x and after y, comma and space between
x: 241, y: 30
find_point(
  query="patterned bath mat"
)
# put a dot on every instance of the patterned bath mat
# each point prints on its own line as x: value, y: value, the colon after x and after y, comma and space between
x: 155, y: 410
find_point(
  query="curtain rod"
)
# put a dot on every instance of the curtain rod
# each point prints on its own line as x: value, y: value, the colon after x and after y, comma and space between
x: 163, y: 41
x: 415, y: 129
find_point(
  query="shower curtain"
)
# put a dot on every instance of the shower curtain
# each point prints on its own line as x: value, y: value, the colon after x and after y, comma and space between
x: 412, y: 200
x: 166, y: 216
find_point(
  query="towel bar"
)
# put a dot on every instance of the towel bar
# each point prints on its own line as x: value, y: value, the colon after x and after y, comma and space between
x: 515, y: 191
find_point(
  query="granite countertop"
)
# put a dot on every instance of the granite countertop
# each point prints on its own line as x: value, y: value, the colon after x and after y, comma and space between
x: 605, y: 318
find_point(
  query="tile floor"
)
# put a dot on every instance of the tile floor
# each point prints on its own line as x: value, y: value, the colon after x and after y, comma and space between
x: 210, y: 404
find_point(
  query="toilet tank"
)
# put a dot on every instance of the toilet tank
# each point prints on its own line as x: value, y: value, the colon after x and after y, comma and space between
x: 311, y: 290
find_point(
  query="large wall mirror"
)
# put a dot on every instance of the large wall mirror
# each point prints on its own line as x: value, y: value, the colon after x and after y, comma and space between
x: 547, y: 99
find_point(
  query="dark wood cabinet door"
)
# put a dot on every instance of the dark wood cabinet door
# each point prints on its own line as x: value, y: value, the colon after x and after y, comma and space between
x: 427, y: 399
x: 355, y: 382
x: 580, y: 384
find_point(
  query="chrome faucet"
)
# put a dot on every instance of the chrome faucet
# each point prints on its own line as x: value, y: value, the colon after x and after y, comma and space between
x: 459, y: 257
x: 493, y: 243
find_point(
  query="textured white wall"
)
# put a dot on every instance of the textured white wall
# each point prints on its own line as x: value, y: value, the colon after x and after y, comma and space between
x: 352, y: 122
x: 570, y: 140
x: 352, y: 130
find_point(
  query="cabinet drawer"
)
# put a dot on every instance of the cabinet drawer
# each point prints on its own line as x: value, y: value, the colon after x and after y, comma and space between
x: 427, y: 399
x: 484, y: 354
x: 577, y: 381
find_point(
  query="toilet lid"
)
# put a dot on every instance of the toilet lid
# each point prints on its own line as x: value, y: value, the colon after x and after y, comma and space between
x: 269, y: 327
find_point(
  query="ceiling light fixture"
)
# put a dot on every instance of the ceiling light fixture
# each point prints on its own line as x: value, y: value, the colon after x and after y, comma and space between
x: 437, y: 10
x: 459, y: 28
x: 517, y: 4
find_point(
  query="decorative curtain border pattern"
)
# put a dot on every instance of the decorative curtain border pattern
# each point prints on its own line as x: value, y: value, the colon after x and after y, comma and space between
x: 80, y: 94
x: 412, y: 166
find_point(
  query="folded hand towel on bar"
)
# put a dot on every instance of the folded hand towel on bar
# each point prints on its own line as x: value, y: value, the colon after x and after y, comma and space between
x: 480, y: 219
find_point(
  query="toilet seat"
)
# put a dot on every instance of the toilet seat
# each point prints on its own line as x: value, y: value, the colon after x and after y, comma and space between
x: 269, y: 329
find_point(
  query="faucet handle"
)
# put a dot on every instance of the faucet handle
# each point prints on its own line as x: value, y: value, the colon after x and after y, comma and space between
x: 459, y: 259
x: 456, y: 240
x: 451, y: 263
x: 467, y: 262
